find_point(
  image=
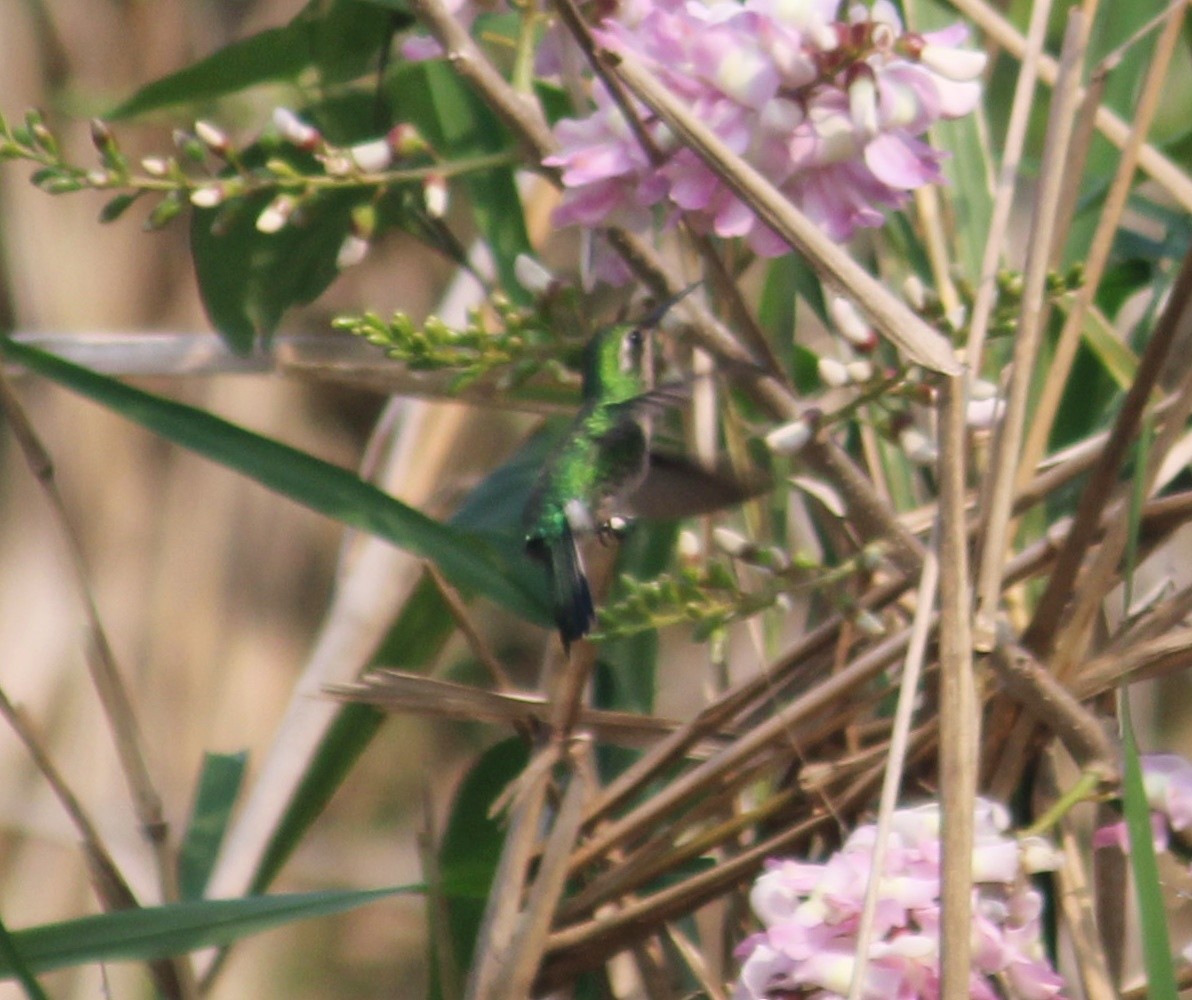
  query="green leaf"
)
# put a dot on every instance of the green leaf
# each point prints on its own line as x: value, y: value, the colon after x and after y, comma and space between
x: 340, y: 43
x: 10, y: 953
x: 459, y: 125
x: 159, y: 931
x: 219, y: 784
x: 413, y: 642
x: 248, y: 279
x: 1148, y: 888
x: 470, y: 561
x: 472, y: 842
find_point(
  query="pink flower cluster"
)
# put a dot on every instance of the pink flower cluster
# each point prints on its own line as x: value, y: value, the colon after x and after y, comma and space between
x: 828, y: 105
x: 1167, y: 781
x: 811, y: 913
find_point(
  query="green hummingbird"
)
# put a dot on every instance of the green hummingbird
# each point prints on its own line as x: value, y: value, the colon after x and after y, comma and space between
x: 604, y: 472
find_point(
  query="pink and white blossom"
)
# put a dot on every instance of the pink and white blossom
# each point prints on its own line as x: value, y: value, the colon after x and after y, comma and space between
x: 829, y: 104
x: 811, y: 913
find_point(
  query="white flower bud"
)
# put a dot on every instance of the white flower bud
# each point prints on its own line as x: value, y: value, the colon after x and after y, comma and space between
x: 372, y: 157
x: 434, y: 190
x: 860, y: 370
x: 295, y: 131
x: 1039, y: 855
x: 917, y: 446
x: 213, y: 137
x: 960, y: 65
x: 207, y: 196
x: 276, y: 214
x: 531, y: 275
x: 732, y: 543
x: 851, y: 324
x: 689, y: 545
x: 832, y: 373
x: 790, y: 438
x: 98, y: 178
x: 155, y: 166
x: 982, y: 414
x: 862, y: 104
x: 351, y: 251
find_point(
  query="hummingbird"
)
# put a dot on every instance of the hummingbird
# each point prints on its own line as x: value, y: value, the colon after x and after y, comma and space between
x: 599, y: 475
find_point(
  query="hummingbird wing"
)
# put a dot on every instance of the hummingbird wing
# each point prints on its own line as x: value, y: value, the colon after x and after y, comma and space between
x: 675, y: 487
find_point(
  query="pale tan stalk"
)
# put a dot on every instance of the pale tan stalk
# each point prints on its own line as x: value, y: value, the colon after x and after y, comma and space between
x: 1007, y: 181
x: 908, y: 692
x: 1030, y: 333
x: 1168, y: 175
x: 1101, y: 246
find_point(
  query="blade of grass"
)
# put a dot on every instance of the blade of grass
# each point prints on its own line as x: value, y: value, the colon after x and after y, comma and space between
x: 466, y: 559
x: 176, y: 928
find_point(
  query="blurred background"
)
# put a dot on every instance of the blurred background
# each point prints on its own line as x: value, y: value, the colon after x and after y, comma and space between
x: 211, y: 588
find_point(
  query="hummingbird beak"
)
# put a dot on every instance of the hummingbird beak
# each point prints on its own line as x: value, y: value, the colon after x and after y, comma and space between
x: 656, y: 315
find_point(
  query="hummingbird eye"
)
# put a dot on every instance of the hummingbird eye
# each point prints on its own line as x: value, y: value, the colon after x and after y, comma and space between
x: 632, y: 350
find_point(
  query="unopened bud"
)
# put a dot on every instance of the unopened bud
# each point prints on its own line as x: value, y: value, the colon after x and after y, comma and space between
x: 207, y: 196
x: 959, y: 65
x: 531, y: 275
x: 276, y: 214
x: 101, y: 136
x: 434, y: 190
x: 732, y: 543
x: 155, y: 166
x: 405, y: 140
x: 689, y: 546
x: 364, y: 220
x: 982, y: 414
x: 295, y: 131
x: 351, y: 251
x: 917, y: 446
x: 832, y: 373
x: 98, y: 178
x: 371, y: 157
x: 213, y: 137
x: 852, y: 325
x: 789, y: 439
x: 860, y: 370
x: 869, y: 624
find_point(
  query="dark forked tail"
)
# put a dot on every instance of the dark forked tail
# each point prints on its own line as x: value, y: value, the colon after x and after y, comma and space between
x: 575, y: 612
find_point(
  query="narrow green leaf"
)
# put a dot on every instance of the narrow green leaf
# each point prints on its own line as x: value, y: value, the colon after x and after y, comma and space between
x: 219, y: 784
x: 471, y: 845
x: 177, y: 928
x: 471, y: 562
x: 341, y: 43
x: 416, y: 638
x: 1116, y: 358
x: 1152, y: 913
x: 10, y: 954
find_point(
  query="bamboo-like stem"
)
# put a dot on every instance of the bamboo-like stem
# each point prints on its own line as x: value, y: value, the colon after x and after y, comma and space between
x: 959, y: 717
x: 908, y: 692
x: 1060, y: 365
x: 1030, y: 331
x: 1167, y: 174
x: 1103, y: 477
x: 105, y: 676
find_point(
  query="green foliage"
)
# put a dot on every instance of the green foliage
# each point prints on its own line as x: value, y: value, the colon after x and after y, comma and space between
x: 470, y: 561
x: 175, y: 929
x: 519, y: 345
x: 215, y: 797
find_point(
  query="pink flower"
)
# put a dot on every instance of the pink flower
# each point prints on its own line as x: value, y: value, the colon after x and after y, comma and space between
x: 810, y: 915
x: 828, y: 105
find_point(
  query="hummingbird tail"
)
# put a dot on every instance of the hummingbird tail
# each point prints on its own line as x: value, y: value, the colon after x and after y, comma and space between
x: 575, y: 611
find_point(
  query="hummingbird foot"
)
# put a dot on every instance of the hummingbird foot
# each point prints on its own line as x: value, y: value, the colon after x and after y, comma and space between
x: 613, y: 530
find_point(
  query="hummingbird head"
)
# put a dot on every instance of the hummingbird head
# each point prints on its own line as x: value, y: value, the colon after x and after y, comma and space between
x: 619, y: 360
x: 619, y: 363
